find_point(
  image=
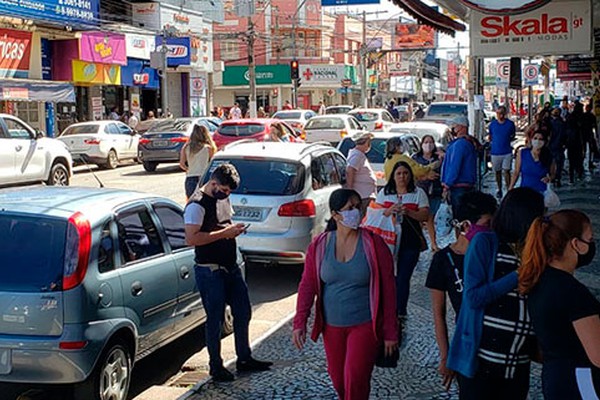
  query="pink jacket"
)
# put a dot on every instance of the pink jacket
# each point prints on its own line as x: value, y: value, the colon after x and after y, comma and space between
x: 383, y: 287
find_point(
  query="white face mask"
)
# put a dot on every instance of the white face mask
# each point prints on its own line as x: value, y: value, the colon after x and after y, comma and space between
x: 428, y: 147
x: 350, y: 218
x: 537, y: 143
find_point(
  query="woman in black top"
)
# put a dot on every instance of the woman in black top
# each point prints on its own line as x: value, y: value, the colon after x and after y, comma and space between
x: 564, y: 313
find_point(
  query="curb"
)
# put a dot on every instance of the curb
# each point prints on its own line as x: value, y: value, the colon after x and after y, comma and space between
x: 196, y: 388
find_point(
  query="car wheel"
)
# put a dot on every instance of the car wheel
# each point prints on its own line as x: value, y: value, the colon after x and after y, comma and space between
x: 111, y: 377
x: 112, y: 161
x: 150, y: 166
x: 59, y: 175
x: 227, y: 322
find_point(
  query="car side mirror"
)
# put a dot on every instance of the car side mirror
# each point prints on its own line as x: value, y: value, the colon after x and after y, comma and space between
x: 39, y: 134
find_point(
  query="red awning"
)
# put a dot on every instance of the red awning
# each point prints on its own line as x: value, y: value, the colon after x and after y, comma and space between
x: 429, y: 16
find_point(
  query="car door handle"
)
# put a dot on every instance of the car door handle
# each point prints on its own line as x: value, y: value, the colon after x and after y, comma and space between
x: 184, y: 272
x: 18, y: 147
x: 136, y: 288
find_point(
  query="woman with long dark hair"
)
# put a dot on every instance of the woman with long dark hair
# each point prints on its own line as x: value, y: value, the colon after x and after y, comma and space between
x: 493, y: 341
x: 534, y: 164
x: 195, y: 156
x: 349, y: 271
x: 564, y: 313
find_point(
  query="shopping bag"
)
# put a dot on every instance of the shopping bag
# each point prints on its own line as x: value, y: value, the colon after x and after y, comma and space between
x: 551, y: 199
x: 442, y: 221
x: 381, y: 225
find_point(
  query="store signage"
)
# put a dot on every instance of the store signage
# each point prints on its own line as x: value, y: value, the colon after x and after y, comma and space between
x: 102, y: 47
x: 318, y: 75
x: 574, y: 69
x: 178, y: 50
x: 62, y: 12
x: 400, y: 67
x: 265, y: 75
x: 86, y: 72
x: 411, y: 36
x: 15, y: 53
x: 503, y: 7
x: 141, y: 79
x: 146, y: 15
x: 139, y: 46
x: 557, y: 28
x: 46, y: 45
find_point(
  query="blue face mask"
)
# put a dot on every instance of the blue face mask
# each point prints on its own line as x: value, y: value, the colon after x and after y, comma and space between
x: 350, y: 218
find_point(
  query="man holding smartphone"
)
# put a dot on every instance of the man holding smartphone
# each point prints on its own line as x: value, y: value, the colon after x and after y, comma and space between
x: 208, y: 227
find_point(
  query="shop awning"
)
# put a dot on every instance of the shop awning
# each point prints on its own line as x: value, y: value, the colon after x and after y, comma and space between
x: 36, y: 90
x: 429, y: 16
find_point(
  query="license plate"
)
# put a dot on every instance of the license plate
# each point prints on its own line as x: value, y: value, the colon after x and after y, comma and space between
x: 5, y: 361
x: 160, y: 143
x: 248, y: 213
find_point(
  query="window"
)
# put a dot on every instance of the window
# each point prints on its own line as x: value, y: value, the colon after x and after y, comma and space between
x: 287, y: 131
x: 387, y: 117
x: 324, y: 172
x: 106, y: 250
x: 124, y: 129
x: 354, y: 124
x: 16, y: 130
x: 325, y: 123
x: 138, y: 237
x: 340, y: 164
x: 172, y: 222
x: 242, y: 129
x: 81, y: 129
x: 111, y: 129
x: 230, y: 50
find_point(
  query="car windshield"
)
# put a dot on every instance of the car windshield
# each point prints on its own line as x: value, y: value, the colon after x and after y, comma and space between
x: 173, y: 125
x: 365, y: 116
x: 240, y: 129
x: 338, y: 110
x: 264, y: 177
x: 447, y: 109
x: 287, y: 115
x: 81, y: 129
x: 32, y: 253
x: 376, y: 155
x: 325, y: 123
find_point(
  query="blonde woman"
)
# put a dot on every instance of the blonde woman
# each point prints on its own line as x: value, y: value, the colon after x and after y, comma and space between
x: 195, y: 156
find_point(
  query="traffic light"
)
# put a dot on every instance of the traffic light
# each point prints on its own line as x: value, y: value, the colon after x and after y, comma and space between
x: 297, y: 82
x: 294, y: 71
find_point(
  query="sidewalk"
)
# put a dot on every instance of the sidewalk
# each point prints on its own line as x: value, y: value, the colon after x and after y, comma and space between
x: 303, y: 375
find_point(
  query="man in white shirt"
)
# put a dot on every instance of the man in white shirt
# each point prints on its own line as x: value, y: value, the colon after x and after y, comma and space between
x: 133, y: 120
x: 321, y: 108
x: 235, y: 112
x: 359, y: 173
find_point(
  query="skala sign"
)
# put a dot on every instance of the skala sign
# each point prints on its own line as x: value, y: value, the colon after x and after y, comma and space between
x: 555, y: 29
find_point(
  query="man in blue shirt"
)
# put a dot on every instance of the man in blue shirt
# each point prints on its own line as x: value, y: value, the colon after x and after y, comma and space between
x: 459, y: 169
x: 502, y: 132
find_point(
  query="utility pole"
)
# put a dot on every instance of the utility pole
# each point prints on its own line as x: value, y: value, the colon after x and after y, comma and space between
x: 363, y: 63
x: 458, y: 65
x: 164, y: 51
x: 251, y: 68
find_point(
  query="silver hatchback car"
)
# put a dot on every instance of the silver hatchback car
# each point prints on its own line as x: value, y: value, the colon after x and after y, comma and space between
x: 283, y: 195
x: 91, y: 280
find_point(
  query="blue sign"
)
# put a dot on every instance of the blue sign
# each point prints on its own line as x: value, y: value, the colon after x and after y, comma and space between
x: 50, y: 125
x: 46, y: 59
x: 179, y: 50
x: 62, y: 12
x: 138, y: 73
x: 347, y: 2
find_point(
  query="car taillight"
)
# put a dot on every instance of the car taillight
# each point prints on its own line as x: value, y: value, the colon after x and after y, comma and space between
x: 302, y: 208
x: 72, y: 345
x: 180, y: 139
x: 91, y: 141
x: 144, y: 141
x: 343, y: 133
x: 378, y: 125
x: 77, y: 252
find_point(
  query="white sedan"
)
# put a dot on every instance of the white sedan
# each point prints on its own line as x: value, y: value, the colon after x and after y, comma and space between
x: 331, y: 128
x: 374, y: 119
x: 104, y: 143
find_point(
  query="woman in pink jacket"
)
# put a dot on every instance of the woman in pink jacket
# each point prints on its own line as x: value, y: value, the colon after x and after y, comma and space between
x: 350, y: 271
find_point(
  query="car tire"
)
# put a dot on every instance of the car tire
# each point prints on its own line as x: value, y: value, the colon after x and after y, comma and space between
x: 150, y: 166
x: 111, y: 377
x: 227, y: 322
x: 112, y: 161
x: 59, y: 175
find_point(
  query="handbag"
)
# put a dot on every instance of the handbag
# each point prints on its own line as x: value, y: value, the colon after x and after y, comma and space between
x: 376, y: 222
x: 423, y: 243
x: 383, y: 361
x: 551, y: 199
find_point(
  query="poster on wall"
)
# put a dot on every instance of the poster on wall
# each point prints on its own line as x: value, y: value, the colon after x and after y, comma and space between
x: 135, y: 102
x: 97, y: 108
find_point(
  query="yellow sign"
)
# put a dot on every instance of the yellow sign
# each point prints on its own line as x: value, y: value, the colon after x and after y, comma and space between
x: 87, y: 72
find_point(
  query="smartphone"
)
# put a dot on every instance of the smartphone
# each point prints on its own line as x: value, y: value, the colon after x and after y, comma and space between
x: 246, y: 227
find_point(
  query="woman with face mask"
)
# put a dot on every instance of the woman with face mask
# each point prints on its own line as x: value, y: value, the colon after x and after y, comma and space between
x: 564, y: 313
x: 349, y: 271
x: 534, y: 165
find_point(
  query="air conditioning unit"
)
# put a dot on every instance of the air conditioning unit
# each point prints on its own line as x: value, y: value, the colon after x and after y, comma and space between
x: 218, y: 66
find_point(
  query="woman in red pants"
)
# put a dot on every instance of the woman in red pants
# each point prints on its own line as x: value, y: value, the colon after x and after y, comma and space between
x: 350, y: 272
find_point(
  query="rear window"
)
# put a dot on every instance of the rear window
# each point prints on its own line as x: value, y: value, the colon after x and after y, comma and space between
x: 337, y: 110
x: 288, y: 115
x: 365, y: 116
x: 81, y: 129
x: 376, y: 155
x: 265, y: 177
x: 325, y: 123
x: 446, y: 109
x: 240, y: 129
x: 32, y: 253
x: 171, y: 126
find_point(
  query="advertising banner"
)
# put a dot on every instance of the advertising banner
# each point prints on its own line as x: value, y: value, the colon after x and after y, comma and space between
x: 135, y: 73
x: 558, y: 28
x: 146, y: 15
x: 178, y: 50
x: 322, y: 75
x: 62, y: 12
x: 574, y: 69
x: 139, y: 46
x: 265, y: 75
x: 86, y: 72
x: 101, y: 47
x: 15, y: 53
x: 504, y: 7
x: 411, y: 36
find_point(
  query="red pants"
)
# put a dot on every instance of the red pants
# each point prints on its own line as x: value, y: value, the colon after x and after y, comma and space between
x: 351, y: 354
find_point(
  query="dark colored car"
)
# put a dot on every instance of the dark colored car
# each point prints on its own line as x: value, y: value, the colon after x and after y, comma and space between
x: 257, y: 128
x: 162, y: 143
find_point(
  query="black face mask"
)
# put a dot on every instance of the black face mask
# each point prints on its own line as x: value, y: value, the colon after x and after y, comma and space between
x: 219, y: 195
x: 586, y: 259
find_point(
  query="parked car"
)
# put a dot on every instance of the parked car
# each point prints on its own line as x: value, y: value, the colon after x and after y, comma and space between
x: 147, y: 124
x: 163, y: 142
x: 104, y: 143
x: 331, y: 128
x: 444, y: 111
x: 28, y: 156
x: 295, y: 118
x: 440, y: 132
x: 376, y: 155
x: 283, y: 194
x: 344, y: 109
x: 258, y: 129
x: 91, y: 281
x: 373, y: 119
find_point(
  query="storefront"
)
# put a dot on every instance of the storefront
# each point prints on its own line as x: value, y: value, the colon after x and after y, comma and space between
x: 142, y: 81
x: 320, y: 82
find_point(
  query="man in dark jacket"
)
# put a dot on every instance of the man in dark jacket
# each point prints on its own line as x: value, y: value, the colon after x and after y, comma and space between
x: 558, y: 143
x: 589, y: 131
